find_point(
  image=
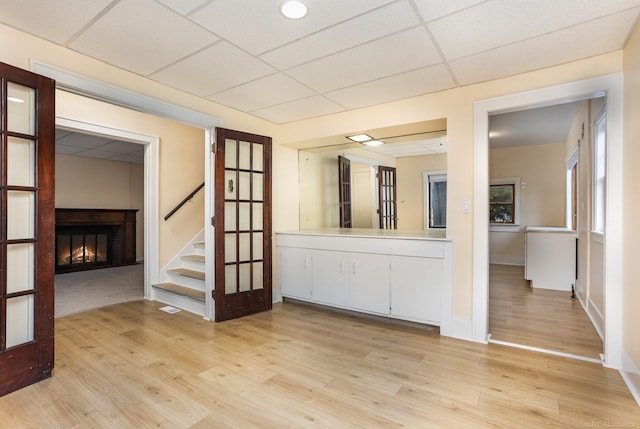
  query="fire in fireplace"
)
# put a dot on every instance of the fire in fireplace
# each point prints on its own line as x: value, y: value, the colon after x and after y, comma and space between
x: 87, y: 247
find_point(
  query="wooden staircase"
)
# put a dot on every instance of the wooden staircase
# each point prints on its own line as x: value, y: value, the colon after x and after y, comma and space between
x: 183, y: 284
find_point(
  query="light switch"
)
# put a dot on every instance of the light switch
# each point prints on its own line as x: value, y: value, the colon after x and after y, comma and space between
x: 466, y: 206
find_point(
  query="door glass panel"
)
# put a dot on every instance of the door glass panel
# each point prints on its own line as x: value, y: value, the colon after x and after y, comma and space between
x: 245, y: 249
x: 244, y: 157
x: 230, y: 153
x: 77, y: 249
x: 244, y: 185
x: 230, y: 216
x: 20, y: 267
x: 230, y: 279
x: 258, y: 280
x: 21, y: 109
x: 257, y: 245
x: 258, y: 164
x: 101, y: 249
x: 20, y: 162
x: 245, y: 277
x: 230, y: 185
x: 19, y: 320
x: 20, y: 214
x: 244, y: 212
x: 63, y: 246
x: 258, y: 185
x: 257, y: 216
x: 230, y: 248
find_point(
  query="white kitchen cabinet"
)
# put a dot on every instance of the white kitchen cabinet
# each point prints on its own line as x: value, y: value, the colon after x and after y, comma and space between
x: 388, y: 273
x: 295, y: 277
x: 369, y: 283
x: 550, y: 257
x: 331, y: 277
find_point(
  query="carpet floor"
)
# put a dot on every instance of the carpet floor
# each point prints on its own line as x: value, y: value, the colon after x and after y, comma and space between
x: 86, y: 290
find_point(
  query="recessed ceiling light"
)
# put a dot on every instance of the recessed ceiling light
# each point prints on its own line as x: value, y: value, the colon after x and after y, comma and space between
x: 360, y: 138
x: 294, y: 9
x: 373, y: 143
x: 15, y: 99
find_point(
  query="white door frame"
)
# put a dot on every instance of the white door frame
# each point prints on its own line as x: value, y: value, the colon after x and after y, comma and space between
x: 611, y: 86
x: 87, y: 87
x: 151, y: 174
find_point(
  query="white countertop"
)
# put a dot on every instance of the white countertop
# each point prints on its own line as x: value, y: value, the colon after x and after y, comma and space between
x: 553, y: 229
x: 429, y: 234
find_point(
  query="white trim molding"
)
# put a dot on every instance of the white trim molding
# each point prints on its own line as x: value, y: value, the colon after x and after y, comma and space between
x: 610, y: 86
x: 631, y: 376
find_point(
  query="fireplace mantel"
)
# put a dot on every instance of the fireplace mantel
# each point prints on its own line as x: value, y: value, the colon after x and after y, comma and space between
x: 120, y: 223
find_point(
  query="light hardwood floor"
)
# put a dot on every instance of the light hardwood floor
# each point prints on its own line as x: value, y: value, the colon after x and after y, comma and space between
x: 546, y: 319
x: 134, y: 366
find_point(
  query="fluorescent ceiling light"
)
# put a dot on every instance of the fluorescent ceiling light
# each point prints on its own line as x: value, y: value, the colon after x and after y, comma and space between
x: 360, y: 138
x: 15, y: 99
x: 372, y: 143
x: 294, y: 9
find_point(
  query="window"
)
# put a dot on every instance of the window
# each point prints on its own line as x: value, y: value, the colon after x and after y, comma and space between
x: 436, y: 187
x: 504, y: 204
x: 599, y: 171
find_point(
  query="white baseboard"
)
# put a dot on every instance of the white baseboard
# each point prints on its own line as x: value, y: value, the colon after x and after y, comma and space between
x: 631, y: 376
x: 462, y: 329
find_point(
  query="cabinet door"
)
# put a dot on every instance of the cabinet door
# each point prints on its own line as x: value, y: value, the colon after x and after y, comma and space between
x: 331, y: 277
x: 369, y: 283
x: 416, y: 288
x: 295, y: 268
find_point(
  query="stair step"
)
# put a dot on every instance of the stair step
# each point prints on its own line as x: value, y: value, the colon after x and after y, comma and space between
x: 181, y: 290
x: 198, y: 244
x: 188, y: 273
x: 194, y: 257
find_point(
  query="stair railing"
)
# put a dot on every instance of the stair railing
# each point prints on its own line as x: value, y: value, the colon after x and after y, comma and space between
x: 184, y: 201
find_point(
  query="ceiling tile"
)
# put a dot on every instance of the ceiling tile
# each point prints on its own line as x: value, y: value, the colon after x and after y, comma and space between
x: 582, y: 41
x: 214, y: 69
x: 95, y: 153
x: 258, y: 26
x: 298, y: 110
x: 183, y: 6
x: 401, y: 52
x: 122, y: 38
x: 375, y: 24
x: 261, y: 93
x: 500, y: 22
x: 434, y: 9
x: 68, y: 150
x: 120, y: 147
x: 86, y: 141
x: 409, y: 84
x: 35, y: 16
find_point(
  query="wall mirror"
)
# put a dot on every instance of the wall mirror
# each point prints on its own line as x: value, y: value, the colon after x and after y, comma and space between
x: 417, y: 152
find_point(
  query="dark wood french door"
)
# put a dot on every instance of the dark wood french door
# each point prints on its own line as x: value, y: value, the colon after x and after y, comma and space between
x: 27, y: 222
x: 344, y: 186
x: 388, y: 207
x: 242, y: 224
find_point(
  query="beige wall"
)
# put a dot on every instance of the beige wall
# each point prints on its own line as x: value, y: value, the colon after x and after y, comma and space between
x: 631, y: 203
x: 542, y: 202
x: 102, y: 184
x: 411, y: 187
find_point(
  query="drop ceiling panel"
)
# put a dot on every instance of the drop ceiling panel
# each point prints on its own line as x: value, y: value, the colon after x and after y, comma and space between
x: 214, y: 69
x: 409, y: 84
x: 261, y: 93
x: 183, y: 6
x: 85, y: 141
x: 409, y: 50
x: 547, y: 50
x: 375, y: 24
x: 142, y: 36
x: 434, y: 9
x: 299, y: 109
x: 258, y: 26
x: 121, y: 147
x: 501, y: 22
x: 35, y: 16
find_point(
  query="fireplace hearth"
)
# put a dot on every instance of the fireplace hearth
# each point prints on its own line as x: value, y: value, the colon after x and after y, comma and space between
x: 88, y: 239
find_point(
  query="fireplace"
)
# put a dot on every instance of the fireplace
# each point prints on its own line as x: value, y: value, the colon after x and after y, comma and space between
x: 87, y: 239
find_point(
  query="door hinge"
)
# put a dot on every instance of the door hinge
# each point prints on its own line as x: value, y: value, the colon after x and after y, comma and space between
x: 213, y: 221
x: 213, y: 293
x: 213, y: 147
